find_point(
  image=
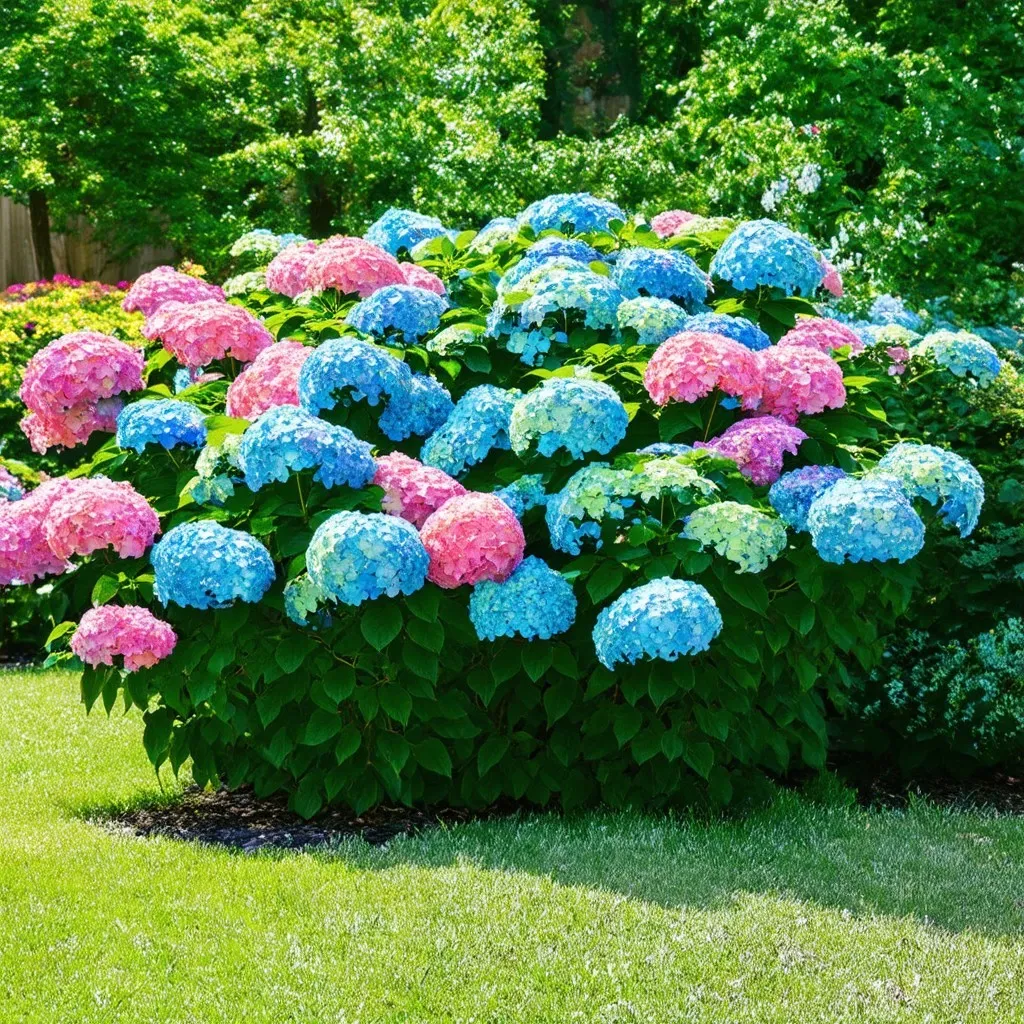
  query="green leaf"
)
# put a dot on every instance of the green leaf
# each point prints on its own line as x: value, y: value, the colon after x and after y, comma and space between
x: 427, y: 634
x: 720, y: 785
x: 58, y: 631
x: 104, y: 589
x: 348, y: 743
x: 321, y: 727
x: 558, y: 699
x: 605, y: 581
x: 394, y: 749
x: 381, y: 623
x: 626, y: 724
x: 491, y: 752
x: 700, y: 757
x: 746, y: 590
x: 339, y: 682
x: 661, y: 686
x: 156, y: 736
x: 424, y: 603
x: 671, y: 744
x: 308, y: 798
x: 431, y: 754
x: 291, y: 654
x: 396, y: 702
x: 536, y: 659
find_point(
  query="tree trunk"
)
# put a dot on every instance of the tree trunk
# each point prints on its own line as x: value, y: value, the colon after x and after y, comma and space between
x: 39, y: 216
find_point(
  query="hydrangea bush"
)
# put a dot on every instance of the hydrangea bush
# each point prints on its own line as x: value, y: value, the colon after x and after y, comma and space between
x: 367, y: 551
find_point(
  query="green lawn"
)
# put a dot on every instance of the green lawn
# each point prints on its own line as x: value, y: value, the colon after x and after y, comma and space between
x: 796, y: 915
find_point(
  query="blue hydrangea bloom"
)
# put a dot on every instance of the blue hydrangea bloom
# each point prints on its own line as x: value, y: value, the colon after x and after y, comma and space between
x: 523, y: 494
x: 660, y: 274
x: 963, y: 354
x: 259, y: 244
x: 287, y: 439
x: 493, y: 233
x: 576, y: 413
x: 890, y: 309
x: 591, y: 495
x: 185, y: 377
x: 217, y: 466
x: 669, y: 476
x: 205, y: 565
x: 11, y: 490
x: 764, y: 252
x: 164, y: 421
x: 661, y: 619
x: 478, y: 423
x: 1001, y: 336
x: 358, y: 556
x: 302, y: 603
x: 740, y: 533
x: 349, y: 370
x: 290, y: 238
x: 571, y: 212
x: 556, y: 245
x: 402, y: 229
x: 865, y: 520
x: 938, y: 476
x: 739, y: 328
x: 530, y: 264
x: 535, y: 602
x: 792, y: 494
x: 419, y: 410
x: 398, y: 312
x: 595, y: 296
x: 654, y: 320
x: 532, y: 345
x: 665, y: 448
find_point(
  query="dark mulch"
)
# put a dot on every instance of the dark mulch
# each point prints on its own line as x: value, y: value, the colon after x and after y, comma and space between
x: 239, y: 820
x: 997, y: 792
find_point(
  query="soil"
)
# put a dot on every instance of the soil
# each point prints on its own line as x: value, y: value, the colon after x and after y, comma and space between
x: 997, y: 792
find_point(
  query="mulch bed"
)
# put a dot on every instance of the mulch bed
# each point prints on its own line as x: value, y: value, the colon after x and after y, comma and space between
x: 241, y: 821
x: 1003, y: 794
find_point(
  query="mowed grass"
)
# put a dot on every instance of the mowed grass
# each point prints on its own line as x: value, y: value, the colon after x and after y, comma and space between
x: 798, y: 914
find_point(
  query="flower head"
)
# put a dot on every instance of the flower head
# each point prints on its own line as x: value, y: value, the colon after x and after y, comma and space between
x: 591, y: 495
x: 472, y: 537
x: 661, y: 274
x: 271, y: 379
x: 890, y: 309
x: 594, y: 296
x: 420, y: 277
x: 670, y: 475
x: 823, y: 334
x: 346, y: 370
x: 258, y: 245
x: 556, y: 245
x: 765, y: 253
x: 739, y: 328
x: 832, y: 281
x: 163, y: 421
x: 285, y: 440
x: 25, y: 554
x: 798, y: 380
x: 654, y: 320
x: 202, y: 332
x: 126, y: 631
x: 571, y: 212
x: 793, y: 493
x: 98, y: 513
x: 962, y: 353
x: 940, y: 477
x: 575, y: 413
x: 742, y: 534
x: 523, y: 494
x: 665, y: 448
x: 71, y: 426
x: 165, y: 284
x: 205, y: 565
x: 671, y: 222
x: 421, y: 409
x: 352, y: 266
x: 661, y: 619
x: 535, y: 601
x: 494, y: 233
x: 288, y: 273
x: 400, y: 312
x: 411, y: 489
x: 690, y: 365
x: 757, y: 446
x: 242, y: 284
x: 10, y: 486
x: 401, y: 229
x: 478, y: 424
x: 358, y: 556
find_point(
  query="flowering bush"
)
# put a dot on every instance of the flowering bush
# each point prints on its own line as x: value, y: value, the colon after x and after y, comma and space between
x: 403, y: 562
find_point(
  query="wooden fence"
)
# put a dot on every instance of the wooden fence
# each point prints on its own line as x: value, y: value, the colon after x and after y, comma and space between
x: 75, y: 254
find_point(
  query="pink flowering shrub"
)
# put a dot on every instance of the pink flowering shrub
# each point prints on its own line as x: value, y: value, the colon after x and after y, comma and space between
x: 671, y: 222
x: 288, y: 272
x: 692, y: 364
x: 133, y: 633
x: 798, y: 380
x: 202, y: 332
x: 71, y: 427
x: 165, y: 284
x: 832, y: 283
x: 352, y: 266
x: 472, y: 537
x: 757, y: 446
x: 271, y: 379
x: 823, y: 334
x: 411, y: 489
x: 25, y: 553
x: 420, y: 277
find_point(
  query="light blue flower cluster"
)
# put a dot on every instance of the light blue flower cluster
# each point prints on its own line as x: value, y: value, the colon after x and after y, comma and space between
x: 478, y: 423
x: 164, y: 421
x: 865, y: 520
x: 739, y: 328
x: 11, y: 489
x: 765, y: 253
x: 532, y: 269
x: 218, y: 472
x: 556, y: 245
x: 661, y: 619
x: 665, y: 448
x: 398, y: 312
x: 286, y: 439
x: 571, y: 212
x: 792, y: 494
x: 889, y: 309
x: 595, y: 296
x: 205, y: 565
x: 654, y: 320
x: 493, y: 233
x: 523, y: 494
x: 938, y: 476
x: 302, y: 603
x: 669, y: 476
x: 535, y: 602
x: 532, y: 345
x: 963, y: 354
x: 358, y: 556
x: 576, y: 413
x: 742, y: 534
x: 885, y: 335
x: 454, y: 340
x: 421, y: 409
x: 591, y: 495
x: 242, y: 284
x: 402, y: 229
x: 258, y: 245
x: 661, y: 274
x: 349, y: 370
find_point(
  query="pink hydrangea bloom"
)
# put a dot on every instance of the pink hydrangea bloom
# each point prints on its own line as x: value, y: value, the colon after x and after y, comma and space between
x: 472, y: 537
x: 202, y: 332
x: 412, y: 490
x: 671, y: 222
x: 420, y: 277
x: 165, y: 284
x: 823, y: 334
x: 25, y: 554
x: 100, y: 513
x: 288, y: 273
x: 799, y: 380
x: 900, y: 356
x: 271, y: 379
x: 690, y: 365
x: 72, y: 426
x: 833, y: 282
x: 353, y: 266
x: 80, y: 367
x: 757, y: 446
x: 134, y: 633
